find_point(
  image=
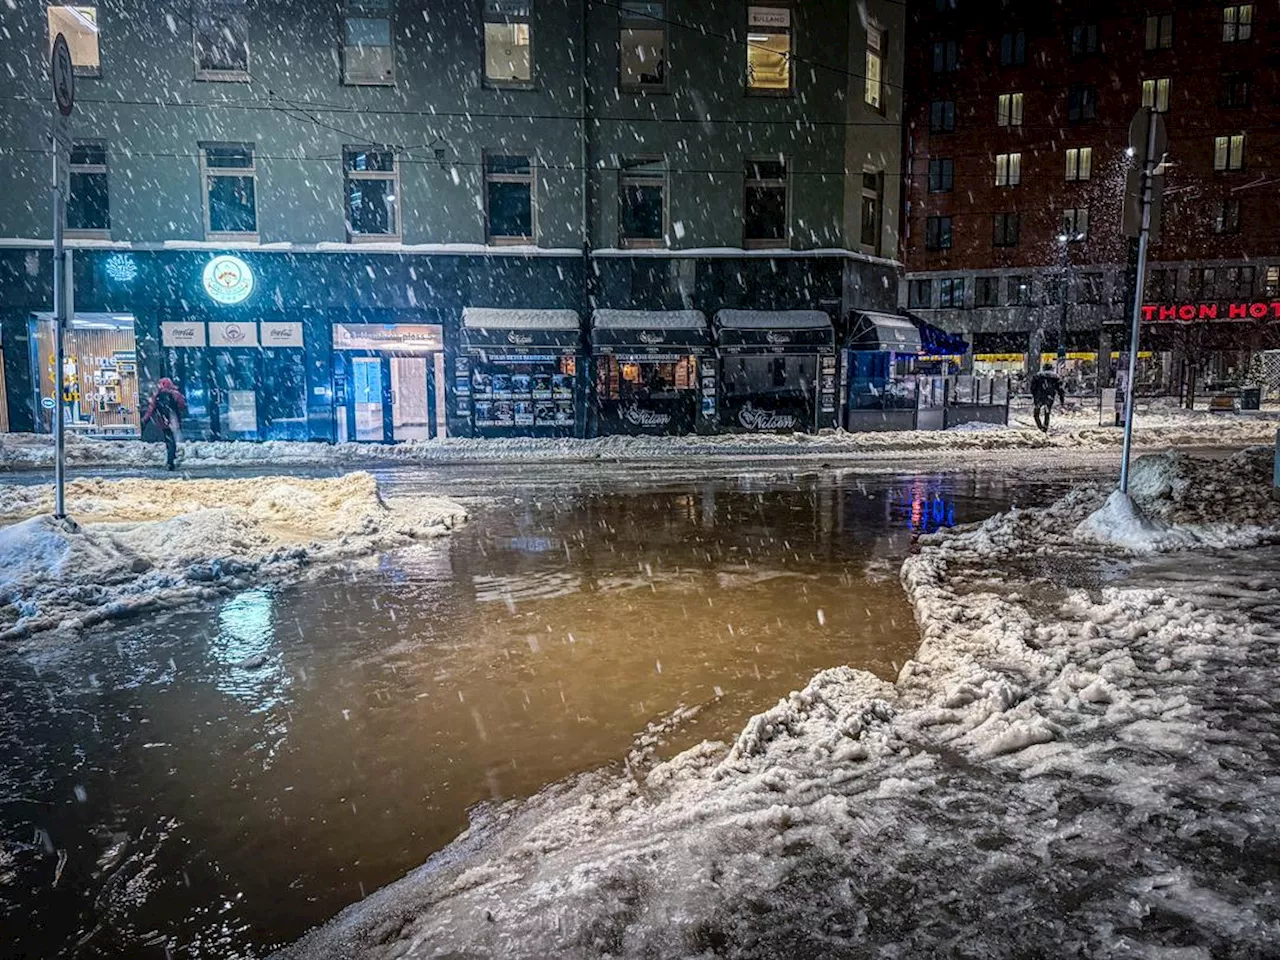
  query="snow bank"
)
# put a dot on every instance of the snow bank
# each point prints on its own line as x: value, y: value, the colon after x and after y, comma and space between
x: 29, y: 451
x: 1060, y: 771
x: 142, y: 544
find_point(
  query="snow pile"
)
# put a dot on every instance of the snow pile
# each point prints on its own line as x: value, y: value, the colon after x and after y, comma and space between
x: 1061, y: 771
x: 142, y: 544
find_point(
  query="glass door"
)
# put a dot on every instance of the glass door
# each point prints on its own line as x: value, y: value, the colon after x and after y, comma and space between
x: 236, y: 375
x: 185, y: 367
x: 367, y: 382
x: 411, y: 398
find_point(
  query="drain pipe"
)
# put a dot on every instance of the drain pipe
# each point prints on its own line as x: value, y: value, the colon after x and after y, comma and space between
x: 588, y: 379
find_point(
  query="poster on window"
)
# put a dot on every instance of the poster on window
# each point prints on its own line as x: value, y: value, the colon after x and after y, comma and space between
x: 182, y: 334
x: 523, y: 410
x: 501, y: 386
x: 503, y: 413
x: 562, y: 386
x: 544, y: 413
x: 242, y: 411
x: 564, y: 413
x: 542, y: 386
x: 233, y: 334
x: 484, y: 413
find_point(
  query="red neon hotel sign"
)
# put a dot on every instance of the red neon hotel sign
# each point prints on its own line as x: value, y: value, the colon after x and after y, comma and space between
x: 1188, y: 312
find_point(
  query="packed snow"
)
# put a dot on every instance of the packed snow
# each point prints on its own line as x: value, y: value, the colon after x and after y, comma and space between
x: 1071, y: 765
x: 143, y: 544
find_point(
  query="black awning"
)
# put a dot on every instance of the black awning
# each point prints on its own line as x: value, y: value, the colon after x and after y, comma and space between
x: 648, y: 331
x: 888, y: 332
x: 774, y: 330
x: 491, y: 328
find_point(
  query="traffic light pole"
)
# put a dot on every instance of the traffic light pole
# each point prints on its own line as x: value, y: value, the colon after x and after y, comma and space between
x: 1149, y: 162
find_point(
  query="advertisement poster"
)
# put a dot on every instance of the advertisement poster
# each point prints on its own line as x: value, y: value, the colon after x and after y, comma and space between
x: 544, y: 413
x: 523, y: 413
x: 564, y: 414
x: 484, y: 413
x: 562, y: 386
x: 501, y: 386
x: 542, y: 386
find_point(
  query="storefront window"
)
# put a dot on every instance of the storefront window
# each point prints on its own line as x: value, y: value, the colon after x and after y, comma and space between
x: 523, y: 393
x: 99, y: 382
x: 284, y: 395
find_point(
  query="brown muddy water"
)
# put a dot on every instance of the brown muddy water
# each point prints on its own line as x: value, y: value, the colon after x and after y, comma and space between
x: 214, y: 782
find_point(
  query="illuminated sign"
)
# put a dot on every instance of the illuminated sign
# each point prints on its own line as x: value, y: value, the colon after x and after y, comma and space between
x: 1189, y: 312
x: 121, y: 268
x: 228, y: 279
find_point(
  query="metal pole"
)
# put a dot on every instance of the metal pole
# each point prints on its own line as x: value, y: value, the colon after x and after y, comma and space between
x: 59, y: 321
x: 1148, y: 175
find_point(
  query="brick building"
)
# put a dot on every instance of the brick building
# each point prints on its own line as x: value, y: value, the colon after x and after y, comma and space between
x: 1016, y: 130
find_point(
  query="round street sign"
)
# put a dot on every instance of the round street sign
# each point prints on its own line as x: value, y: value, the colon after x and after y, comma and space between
x: 64, y: 76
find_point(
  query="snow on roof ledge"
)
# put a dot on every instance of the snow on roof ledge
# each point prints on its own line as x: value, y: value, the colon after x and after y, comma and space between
x: 477, y: 318
x: 773, y: 319
x: 649, y: 320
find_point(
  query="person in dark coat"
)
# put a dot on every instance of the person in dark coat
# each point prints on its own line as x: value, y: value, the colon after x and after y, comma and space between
x: 1046, y: 386
x: 167, y: 408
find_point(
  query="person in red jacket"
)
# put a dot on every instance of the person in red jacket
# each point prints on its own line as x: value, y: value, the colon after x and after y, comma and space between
x: 167, y: 408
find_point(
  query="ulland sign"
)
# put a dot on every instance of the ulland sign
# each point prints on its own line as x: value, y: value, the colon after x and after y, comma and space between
x: 1189, y: 312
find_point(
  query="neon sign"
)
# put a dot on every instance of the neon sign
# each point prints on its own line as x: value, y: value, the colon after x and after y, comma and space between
x: 1189, y: 312
x: 228, y: 279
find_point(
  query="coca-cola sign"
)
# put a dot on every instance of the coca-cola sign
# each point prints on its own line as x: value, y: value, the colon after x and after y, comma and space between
x: 645, y: 418
x: 754, y: 418
x: 774, y: 337
x: 519, y: 339
x: 652, y: 336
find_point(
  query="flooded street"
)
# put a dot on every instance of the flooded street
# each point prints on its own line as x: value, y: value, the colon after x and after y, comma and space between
x: 216, y: 781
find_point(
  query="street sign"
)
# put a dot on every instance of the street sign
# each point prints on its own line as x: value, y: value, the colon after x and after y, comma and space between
x: 1131, y: 215
x: 64, y: 76
x: 1138, y: 134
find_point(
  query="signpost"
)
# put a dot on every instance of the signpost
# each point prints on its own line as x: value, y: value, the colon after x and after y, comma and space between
x: 1148, y: 141
x: 64, y: 97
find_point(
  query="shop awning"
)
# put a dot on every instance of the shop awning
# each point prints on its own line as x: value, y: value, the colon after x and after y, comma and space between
x: 936, y: 342
x: 648, y: 331
x: 500, y: 328
x: 884, y: 331
x: 774, y: 329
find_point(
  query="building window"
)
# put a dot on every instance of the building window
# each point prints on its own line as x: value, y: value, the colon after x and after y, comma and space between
x: 1008, y: 169
x: 1237, y: 22
x: 88, y: 211
x: 368, y: 56
x: 642, y: 45
x: 1082, y: 103
x: 1228, y: 152
x: 941, y: 175
x: 1235, y: 89
x: 951, y: 292
x: 937, y: 233
x: 1160, y: 31
x: 1084, y: 39
x: 79, y: 24
x: 1155, y: 93
x: 944, y: 6
x: 942, y: 116
x: 1055, y: 290
x: 1201, y: 283
x: 642, y: 188
x: 230, y: 178
x: 1079, y: 163
x: 874, y: 94
x: 1018, y: 291
x: 1005, y: 229
x: 1009, y: 110
x: 221, y: 29
x: 1089, y: 288
x: 1162, y: 284
x: 508, y: 197
x: 373, y: 202
x: 769, y: 49
x: 986, y: 292
x: 945, y: 59
x: 872, y: 188
x: 765, y: 206
x: 1271, y: 282
x: 1226, y: 216
x: 1075, y: 224
x: 508, y: 42
x: 1238, y: 284
x: 920, y: 294
x: 1013, y: 49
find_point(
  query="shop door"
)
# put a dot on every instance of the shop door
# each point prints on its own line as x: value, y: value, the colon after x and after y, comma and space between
x: 186, y: 368
x: 236, y: 378
x: 412, y: 398
x: 370, y: 382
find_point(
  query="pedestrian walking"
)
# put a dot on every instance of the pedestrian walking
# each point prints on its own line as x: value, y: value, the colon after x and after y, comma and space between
x: 167, y: 408
x: 1046, y: 386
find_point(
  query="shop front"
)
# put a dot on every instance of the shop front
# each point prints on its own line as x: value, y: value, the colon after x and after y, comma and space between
x: 388, y: 381
x: 880, y: 356
x: 99, y: 373
x: 520, y: 373
x: 778, y: 371
x: 648, y: 366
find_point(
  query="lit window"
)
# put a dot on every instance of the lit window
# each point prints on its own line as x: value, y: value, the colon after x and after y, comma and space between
x: 941, y: 175
x: 942, y: 116
x: 1075, y: 224
x: 221, y: 29
x: 230, y: 179
x: 1237, y: 22
x: 874, y: 94
x: 766, y: 203
x: 642, y: 186
x: 368, y: 56
x: 1159, y: 31
x: 1005, y: 230
x: 1155, y: 93
x: 1271, y: 281
x: 1009, y: 110
x: 509, y: 202
x: 508, y: 42
x: 1228, y: 152
x: 79, y: 24
x: 642, y: 45
x: 1079, y: 163
x: 88, y: 212
x: 1008, y: 169
x: 937, y: 233
x: 372, y: 201
x: 769, y: 49
x: 1226, y: 216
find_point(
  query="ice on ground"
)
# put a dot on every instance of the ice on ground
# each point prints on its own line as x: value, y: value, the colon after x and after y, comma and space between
x: 141, y: 544
x: 1062, y: 770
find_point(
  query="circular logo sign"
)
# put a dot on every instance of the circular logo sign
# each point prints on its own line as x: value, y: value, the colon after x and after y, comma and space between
x: 228, y: 279
x: 46, y: 402
x: 64, y: 76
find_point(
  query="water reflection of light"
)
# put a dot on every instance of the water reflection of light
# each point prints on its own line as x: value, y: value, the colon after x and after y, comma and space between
x: 925, y: 509
x: 250, y: 664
